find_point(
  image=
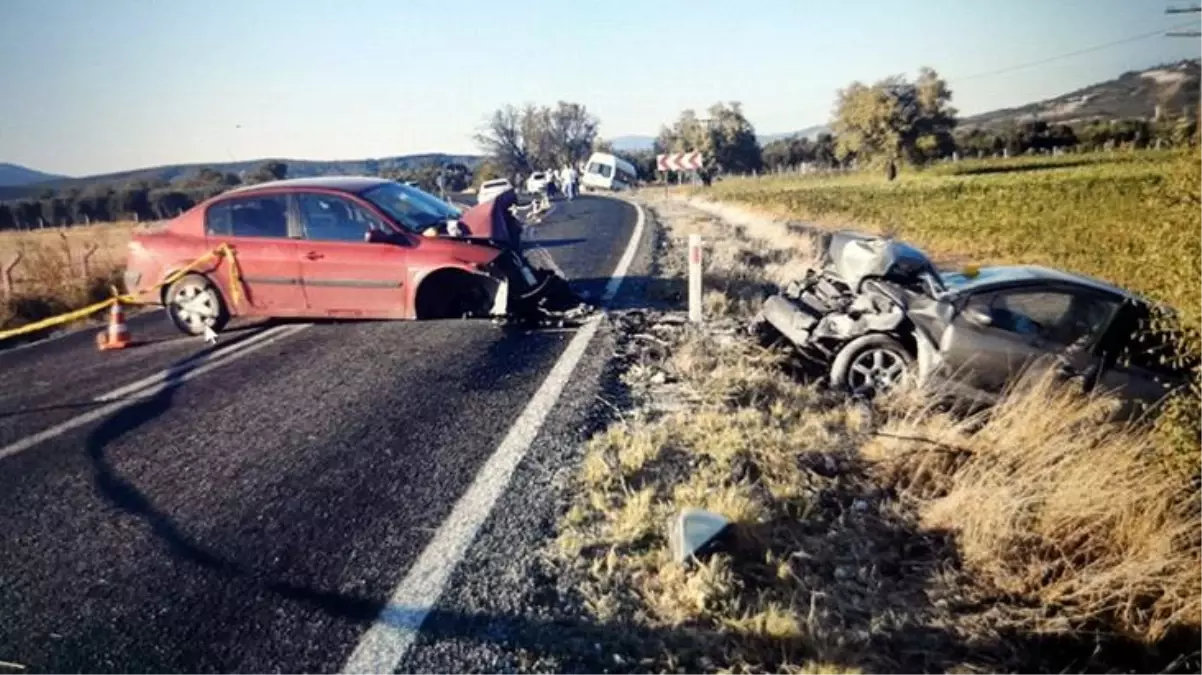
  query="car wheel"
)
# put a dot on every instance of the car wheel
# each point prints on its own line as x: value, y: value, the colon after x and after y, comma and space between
x: 873, y: 363
x: 194, y: 303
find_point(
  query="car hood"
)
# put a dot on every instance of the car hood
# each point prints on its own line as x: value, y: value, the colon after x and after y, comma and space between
x: 855, y: 257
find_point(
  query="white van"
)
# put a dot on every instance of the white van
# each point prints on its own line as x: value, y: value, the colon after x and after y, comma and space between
x: 606, y: 172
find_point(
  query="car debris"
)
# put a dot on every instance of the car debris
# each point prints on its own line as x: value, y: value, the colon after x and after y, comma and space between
x: 696, y: 533
x: 533, y: 295
x: 877, y: 312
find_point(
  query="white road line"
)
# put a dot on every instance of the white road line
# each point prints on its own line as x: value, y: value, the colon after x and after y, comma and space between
x: 163, y: 385
x: 165, y: 375
x: 394, y: 631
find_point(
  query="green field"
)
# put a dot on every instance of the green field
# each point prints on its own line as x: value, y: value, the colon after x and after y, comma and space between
x: 1131, y: 218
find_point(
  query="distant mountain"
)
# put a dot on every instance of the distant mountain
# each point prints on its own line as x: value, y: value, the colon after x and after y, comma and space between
x: 632, y: 143
x: 1134, y: 94
x: 808, y: 132
x: 15, y: 174
x: 297, y: 168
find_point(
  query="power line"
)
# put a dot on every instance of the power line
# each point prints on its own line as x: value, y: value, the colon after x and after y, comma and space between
x: 1087, y: 50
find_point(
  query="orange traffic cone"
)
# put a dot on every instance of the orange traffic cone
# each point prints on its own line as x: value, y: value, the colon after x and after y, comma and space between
x: 117, y: 335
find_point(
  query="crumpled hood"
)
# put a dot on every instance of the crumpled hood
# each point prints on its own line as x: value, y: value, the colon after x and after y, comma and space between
x: 855, y: 257
x: 492, y: 220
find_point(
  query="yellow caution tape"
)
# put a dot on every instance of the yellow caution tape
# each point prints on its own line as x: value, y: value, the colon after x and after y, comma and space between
x: 223, y: 250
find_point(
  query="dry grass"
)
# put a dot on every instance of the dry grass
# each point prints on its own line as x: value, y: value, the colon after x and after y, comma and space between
x: 1037, y: 536
x: 51, y: 277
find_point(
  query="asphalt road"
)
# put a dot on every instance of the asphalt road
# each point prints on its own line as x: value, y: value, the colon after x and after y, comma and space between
x: 255, y: 515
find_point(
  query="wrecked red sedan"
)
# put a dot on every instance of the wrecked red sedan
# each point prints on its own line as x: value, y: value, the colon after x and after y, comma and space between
x: 354, y: 247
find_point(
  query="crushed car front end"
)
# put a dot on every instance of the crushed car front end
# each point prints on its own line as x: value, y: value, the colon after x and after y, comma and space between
x: 864, y: 286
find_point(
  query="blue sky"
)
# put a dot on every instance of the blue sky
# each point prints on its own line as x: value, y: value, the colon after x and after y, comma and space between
x: 90, y: 86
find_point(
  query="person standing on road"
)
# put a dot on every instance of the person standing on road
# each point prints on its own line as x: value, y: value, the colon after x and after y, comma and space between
x: 441, y: 181
x: 569, y: 182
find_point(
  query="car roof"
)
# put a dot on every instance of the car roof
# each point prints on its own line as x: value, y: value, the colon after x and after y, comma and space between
x: 1021, y: 275
x: 354, y: 184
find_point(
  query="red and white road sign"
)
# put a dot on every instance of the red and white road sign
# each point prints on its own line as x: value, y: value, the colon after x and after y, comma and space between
x: 679, y: 161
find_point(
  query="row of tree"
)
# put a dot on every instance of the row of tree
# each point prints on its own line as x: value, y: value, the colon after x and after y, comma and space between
x: 159, y: 200
x: 896, y: 122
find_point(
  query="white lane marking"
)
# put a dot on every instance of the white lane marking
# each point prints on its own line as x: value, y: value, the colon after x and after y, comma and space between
x: 107, y: 409
x: 394, y: 631
x: 166, y: 374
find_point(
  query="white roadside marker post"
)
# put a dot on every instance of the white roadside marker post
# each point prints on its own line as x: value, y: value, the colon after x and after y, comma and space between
x: 695, y: 278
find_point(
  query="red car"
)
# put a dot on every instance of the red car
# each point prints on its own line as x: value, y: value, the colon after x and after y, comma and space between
x: 330, y: 247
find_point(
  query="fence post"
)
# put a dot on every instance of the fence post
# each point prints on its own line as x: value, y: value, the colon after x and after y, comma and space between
x: 67, y: 251
x: 86, y: 258
x: 695, y: 278
x: 7, y: 276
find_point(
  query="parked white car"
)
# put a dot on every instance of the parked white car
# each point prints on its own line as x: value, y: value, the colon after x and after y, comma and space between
x: 537, y: 181
x: 489, y: 189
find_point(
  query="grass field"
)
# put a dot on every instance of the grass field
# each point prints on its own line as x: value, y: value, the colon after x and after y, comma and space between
x: 1038, y: 536
x: 52, y: 276
x: 1130, y: 218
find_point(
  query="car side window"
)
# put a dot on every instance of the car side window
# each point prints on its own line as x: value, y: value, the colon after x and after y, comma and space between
x: 332, y: 218
x: 1060, y: 317
x: 262, y: 216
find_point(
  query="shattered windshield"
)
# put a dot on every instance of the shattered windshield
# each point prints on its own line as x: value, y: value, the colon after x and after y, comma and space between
x: 413, y: 209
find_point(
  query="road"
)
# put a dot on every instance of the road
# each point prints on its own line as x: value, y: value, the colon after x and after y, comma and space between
x: 256, y: 512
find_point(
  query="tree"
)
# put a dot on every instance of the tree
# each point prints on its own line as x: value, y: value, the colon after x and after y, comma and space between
x: 504, y: 140
x: 726, y: 139
x: 486, y: 170
x: 572, y: 131
x: 895, y: 119
x: 457, y: 176
x: 521, y: 140
x: 268, y: 171
x: 7, y: 221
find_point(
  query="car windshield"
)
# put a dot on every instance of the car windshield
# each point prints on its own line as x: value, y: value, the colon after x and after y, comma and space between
x: 414, y: 209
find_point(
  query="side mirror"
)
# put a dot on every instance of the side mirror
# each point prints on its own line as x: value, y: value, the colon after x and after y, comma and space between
x: 978, y: 316
x: 374, y: 236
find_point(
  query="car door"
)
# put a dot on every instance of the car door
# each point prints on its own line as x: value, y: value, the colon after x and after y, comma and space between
x: 343, y: 274
x: 1140, y: 365
x: 258, y: 228
x: 996, y: 336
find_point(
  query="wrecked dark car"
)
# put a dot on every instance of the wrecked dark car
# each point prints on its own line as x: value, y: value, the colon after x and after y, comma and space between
x: 877, y: 312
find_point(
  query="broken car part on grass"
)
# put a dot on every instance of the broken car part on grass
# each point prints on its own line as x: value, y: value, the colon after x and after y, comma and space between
x: 877, y: 312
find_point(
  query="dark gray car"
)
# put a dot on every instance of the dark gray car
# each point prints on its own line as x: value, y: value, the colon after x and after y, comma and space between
x: 878, y: 311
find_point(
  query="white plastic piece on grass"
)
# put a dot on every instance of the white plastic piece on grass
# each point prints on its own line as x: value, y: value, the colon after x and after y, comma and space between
x: 694, y: 532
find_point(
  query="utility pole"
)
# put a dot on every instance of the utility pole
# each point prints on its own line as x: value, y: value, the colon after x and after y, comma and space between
x: 1191, y: 10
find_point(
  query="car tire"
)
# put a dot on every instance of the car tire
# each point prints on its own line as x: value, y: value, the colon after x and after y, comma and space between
x: 870, y: 364
x: 193, y: 303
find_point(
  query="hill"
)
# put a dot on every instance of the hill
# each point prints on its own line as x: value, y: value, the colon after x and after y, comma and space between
x: 15, y: 174
x: 1134, y: 94
x: 297, y: 168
